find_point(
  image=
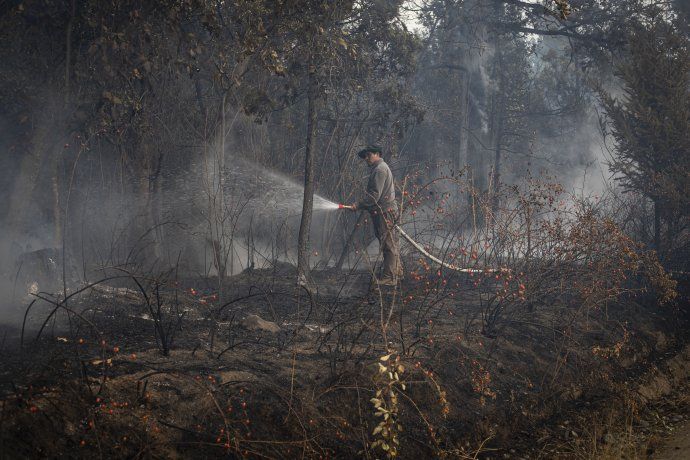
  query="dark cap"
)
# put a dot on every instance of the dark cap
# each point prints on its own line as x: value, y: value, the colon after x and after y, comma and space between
x: 371, y: 148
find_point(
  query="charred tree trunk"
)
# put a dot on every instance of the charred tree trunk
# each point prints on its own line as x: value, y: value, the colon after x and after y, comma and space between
x: 68, y: 49
x: 476, y: 151
x: 308, y: 200
x: 657, y: 227
x: 497, y: 125
x: 498, y: 119
x: 45, y: 150
x: 57, y: 211
x: 40, y: 165
x: 145, y: 172
x: 495, y: 185
x: 464, y: 133
x: 27, y: 179
x: 59, y: 219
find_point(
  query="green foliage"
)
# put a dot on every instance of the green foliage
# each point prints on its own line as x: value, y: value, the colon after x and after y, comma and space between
x: 651, y: 121
x: 342, y: 44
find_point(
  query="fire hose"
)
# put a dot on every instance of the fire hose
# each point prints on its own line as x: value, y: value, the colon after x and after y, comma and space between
x: 435, y: 259
x: 441, y: 262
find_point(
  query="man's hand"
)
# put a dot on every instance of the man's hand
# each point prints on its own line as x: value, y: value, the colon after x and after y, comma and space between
x: 353, y: 206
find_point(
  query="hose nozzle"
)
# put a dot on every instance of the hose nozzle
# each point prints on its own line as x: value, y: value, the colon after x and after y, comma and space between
x: 344, y: 206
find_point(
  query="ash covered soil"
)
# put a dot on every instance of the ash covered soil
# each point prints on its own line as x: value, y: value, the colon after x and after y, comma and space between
x: 137, y: 368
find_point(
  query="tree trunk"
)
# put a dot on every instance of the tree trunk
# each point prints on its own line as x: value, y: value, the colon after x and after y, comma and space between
x: 57, y: 211
x: 143, y: 232
x: 60, y: 221
x: 308, y: 200
x: 657, y: 227
x: 498, y: 121
x: 27, y: 178
x: 464, y: 128
x: 496, y: 188
x: 45, y: 147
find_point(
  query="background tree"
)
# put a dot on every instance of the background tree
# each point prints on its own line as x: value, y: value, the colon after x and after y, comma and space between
x: 651, y: 126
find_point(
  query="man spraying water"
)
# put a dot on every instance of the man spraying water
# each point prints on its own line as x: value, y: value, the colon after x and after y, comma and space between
x: 379, y: 201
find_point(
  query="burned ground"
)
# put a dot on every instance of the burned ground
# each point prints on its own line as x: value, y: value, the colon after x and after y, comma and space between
x: 276, y: 371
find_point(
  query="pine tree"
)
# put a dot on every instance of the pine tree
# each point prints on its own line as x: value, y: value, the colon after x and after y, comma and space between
x: 651, y: 126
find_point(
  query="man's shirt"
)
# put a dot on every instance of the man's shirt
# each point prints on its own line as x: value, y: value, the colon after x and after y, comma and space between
x: 380, y: 192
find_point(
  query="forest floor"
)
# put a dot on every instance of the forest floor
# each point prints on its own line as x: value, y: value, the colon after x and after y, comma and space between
x: 677, y: 446
x: 277, y: 372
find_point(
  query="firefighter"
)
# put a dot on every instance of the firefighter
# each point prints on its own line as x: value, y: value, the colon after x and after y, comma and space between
x: 379, y: 201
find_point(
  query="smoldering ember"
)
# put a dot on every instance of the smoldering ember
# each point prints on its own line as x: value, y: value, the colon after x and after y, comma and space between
x: 345, y: 229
